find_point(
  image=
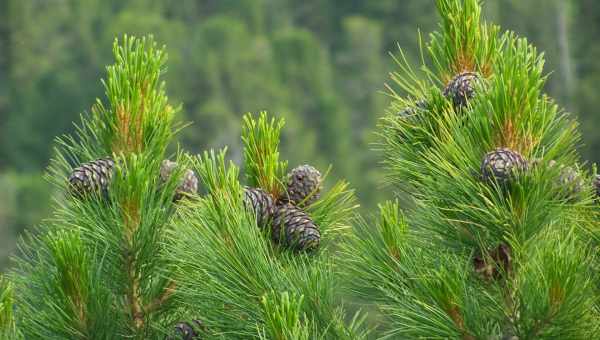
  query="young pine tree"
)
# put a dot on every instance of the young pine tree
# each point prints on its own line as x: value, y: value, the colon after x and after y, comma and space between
x: 134, y: 252
x: 500, y: 242
x: 256, y: 261
x: 95, y: 270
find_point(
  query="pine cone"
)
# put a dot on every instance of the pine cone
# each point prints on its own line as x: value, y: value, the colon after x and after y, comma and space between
x: 461, y: 88
x: 303, y: 185
x: 497, y: 264
x: 188, y: 184
x: 261, y: 203
x: 294, y: 229
x: 568, y: 180
x: 185, y: 331
x: 501, y: 164
x: 412, y: 111
x: 94, y: 176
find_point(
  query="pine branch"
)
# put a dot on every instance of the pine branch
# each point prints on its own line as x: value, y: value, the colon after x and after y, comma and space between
x: 66, y: 301
x: 138, y: 104
x: 464, y: 43
x: 256, y: 289
x: 7, y: 322
x: 159, y: 301
x: 284, y: 319
x: 261, y: 153
x: 555, y: 278
x: 97, y: 271
x: 476, y: 261
x: 66, y: 250
x: 372, y: 258
x: 335, y: 210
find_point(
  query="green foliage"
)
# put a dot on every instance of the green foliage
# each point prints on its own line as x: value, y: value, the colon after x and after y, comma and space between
x: 129, y: 263
x: 284, y: 319
x: 233, y: 277
x: 557, y: 277
x: 230, y: 57
x: 464, y: 43
x: 370, y: 254
x: 93, y: 270
x: 334, y: 210
x: 59, y: 293
x: 319, y: 63
x: 261, y: 153
x: 138, y: 115
x: 479, y: 259
x: 7, y: 323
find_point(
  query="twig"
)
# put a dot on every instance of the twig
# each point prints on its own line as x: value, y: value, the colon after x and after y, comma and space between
x: 454, y: 314
x: 159, y: 301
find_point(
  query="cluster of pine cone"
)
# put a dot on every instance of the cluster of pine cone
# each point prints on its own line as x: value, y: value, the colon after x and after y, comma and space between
x: 289, y: 224
x: 502, y: 166
x: 187, y: 330
x: 94, y: 178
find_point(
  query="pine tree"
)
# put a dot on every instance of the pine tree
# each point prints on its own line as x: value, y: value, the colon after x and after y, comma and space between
x: 95, y: 269
x: 237, y: 274
x: 133, y: 251
x: 497, y: 245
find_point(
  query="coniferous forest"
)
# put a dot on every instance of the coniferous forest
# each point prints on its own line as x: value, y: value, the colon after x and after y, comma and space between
x: 299, y: 170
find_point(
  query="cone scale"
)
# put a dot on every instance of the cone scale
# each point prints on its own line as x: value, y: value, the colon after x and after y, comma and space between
x: 94, y: 176
x: 303, y: 185
x: 293, y: 228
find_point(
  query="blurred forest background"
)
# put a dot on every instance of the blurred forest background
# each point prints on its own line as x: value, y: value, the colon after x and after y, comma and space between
x: 321, y: 64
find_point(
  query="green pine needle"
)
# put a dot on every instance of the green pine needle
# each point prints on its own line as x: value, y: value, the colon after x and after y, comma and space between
x: 261, y: 153
x: 7, y: 322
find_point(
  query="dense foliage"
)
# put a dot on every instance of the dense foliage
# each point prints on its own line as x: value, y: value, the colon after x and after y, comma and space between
x: 321, y: 64
x: 502, y: 238
x: 133, y: 250
x: 497, y: 239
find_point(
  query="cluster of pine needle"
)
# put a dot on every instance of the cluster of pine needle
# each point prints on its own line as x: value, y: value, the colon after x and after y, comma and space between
x: 498, y: 239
